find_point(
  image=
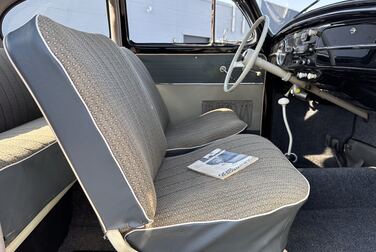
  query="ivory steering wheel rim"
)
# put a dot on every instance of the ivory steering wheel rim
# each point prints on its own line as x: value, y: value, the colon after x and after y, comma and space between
x: 228, y: 87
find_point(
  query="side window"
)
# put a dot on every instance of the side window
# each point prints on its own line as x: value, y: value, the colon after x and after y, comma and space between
x: 84, y: 15
x: 169, y: 21
x: 230, y: 24
x: 184, y: 22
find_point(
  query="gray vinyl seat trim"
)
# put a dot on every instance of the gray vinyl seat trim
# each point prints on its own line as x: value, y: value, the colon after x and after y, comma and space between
x: 93, y: 153
x: 33, y: 171
x: 2, y: 244
x: 203, y: 130
x: 262, y: 234
x: 32, y: 180
x: 23, y: 142
x: 27, y: 157
x: 190, y: 134
x: 177, y: 187
x: 122, y: 214
x: 16, y: 105
x: 251, y: 218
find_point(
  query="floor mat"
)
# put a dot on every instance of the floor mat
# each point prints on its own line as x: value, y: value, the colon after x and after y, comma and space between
x: 350, y: 229
x: 340, y: 214
x: 309, y: 128
x: 85, y: 233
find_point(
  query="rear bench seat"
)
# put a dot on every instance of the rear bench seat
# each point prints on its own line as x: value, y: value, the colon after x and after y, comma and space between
x: 33, y: 171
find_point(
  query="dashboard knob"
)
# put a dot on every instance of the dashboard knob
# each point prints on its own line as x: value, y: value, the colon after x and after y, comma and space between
x: 288, y: 48
x: 281, y: 45
x: 300, y: 61
x: 311, y: 76
x: 302, y: 75
x: 280, y: 57
x: 304, y: 36
x: 312, y: 32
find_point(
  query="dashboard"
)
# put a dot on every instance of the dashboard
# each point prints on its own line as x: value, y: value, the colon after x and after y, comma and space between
x: 296, y: 52
x: 311, y: 53
x: 334, y: 47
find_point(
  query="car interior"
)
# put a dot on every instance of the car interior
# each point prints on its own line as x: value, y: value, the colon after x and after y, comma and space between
x: 106, y: 105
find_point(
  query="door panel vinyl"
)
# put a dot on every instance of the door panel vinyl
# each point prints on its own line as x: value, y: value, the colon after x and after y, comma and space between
x: 188, y: 82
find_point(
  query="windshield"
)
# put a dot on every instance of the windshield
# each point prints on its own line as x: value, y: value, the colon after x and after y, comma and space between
x: 281, y: 12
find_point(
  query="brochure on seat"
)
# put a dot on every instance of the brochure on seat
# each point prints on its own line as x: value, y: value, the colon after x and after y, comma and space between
x: 222, y: 164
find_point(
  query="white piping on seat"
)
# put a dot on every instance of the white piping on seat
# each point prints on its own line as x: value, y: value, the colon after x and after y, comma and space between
x: 29, y: 156
x: 118, y: 242
x: 61, y: 146
x: 16, y: 242
x: 230, y: 220
x: 49, y: 124
x: 203, y: 145
x: 92, y: 118
x: 2, y: 244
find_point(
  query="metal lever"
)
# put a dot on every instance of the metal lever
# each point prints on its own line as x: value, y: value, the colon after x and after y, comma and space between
x: 291, y: 156
x: 223, y: 69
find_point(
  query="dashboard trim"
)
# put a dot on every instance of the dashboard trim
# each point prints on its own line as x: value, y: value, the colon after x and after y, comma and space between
x: 360, y: 46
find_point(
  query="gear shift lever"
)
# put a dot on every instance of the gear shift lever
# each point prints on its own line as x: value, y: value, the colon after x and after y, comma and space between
x: 291, y: 156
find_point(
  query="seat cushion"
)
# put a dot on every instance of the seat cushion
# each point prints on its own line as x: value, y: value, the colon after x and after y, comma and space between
x: 23, y: 141
x: 113, y: 140
x: 268, y: 192
x: 102, y: 118
x: 188, y: 135
x: 33, y: 171
x: 200, y: 131
x: 272, y: 182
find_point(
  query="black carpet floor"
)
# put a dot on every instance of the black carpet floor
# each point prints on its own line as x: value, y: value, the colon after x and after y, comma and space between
x: 309, y: 127
x: 344, y: 229
x: 84, y: 233
x: 340, y: 214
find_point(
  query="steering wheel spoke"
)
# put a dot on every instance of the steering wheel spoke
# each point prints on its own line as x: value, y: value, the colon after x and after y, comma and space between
x: 249, y: 56
x: 239, y: 64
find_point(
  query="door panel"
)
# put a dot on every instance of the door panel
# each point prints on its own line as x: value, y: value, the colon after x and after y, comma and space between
x: 184, y: 101
x: 189, y: 82
x: 192, y: 69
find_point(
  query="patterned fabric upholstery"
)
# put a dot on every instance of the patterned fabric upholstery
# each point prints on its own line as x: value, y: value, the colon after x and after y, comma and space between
x: 208, y: 127
x: 21, y: 133
x: 33, y: 171
x: 113, y: 94
x: 16, y: 104
x: 190, y: 134
x: 149, y: 85
x: 23, y: 141
x: 250, y: 211
x: 186, y: 196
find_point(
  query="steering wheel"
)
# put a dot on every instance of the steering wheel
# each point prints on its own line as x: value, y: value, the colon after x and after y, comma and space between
x: 249, y: 56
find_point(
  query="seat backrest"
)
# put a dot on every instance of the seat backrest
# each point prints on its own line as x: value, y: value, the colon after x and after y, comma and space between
x: 150, y: 87
x: 105, y: 123
x: 16, y: 104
